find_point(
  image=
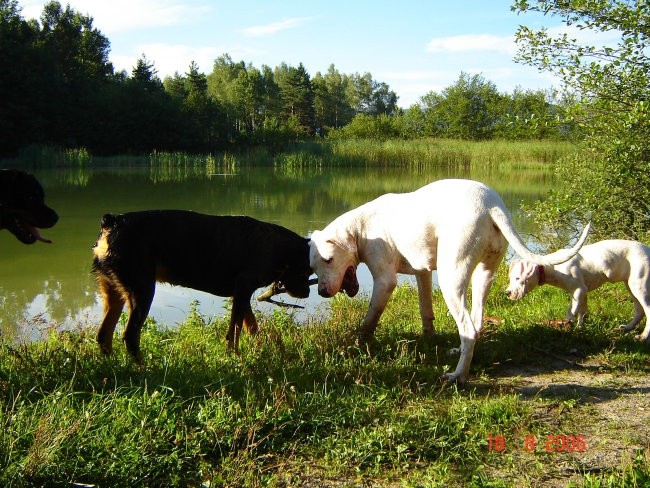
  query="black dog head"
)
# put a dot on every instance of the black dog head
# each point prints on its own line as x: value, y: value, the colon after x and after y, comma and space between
x: 22, y: 206
x: 295, y: 277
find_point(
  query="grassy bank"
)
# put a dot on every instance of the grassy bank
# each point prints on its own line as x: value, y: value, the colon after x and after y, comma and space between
x: 323, y: 153
x: 302, y: 406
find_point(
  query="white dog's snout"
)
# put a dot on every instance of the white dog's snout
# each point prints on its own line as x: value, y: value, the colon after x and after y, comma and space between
x: 323, y: 291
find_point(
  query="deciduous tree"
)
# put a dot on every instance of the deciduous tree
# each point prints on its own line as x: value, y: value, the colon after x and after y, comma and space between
x: 609, y: 181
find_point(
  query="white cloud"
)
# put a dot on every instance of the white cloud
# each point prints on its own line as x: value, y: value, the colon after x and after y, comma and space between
x: 125, y: 15
x: 169, y: 59
x: 268, y: 29
x: 432, y: 75
x: 472, y: 42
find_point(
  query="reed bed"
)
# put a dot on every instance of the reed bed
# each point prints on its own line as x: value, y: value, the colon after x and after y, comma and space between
x: 325, y: 153
x: 514, y: 154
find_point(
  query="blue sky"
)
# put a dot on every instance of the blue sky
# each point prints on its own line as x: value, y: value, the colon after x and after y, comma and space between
x: 413, y: 46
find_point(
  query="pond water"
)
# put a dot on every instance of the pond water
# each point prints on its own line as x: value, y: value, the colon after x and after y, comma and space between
x: 44, y: 286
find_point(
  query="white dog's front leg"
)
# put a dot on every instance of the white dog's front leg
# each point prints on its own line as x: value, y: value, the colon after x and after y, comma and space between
x: 382, y: 289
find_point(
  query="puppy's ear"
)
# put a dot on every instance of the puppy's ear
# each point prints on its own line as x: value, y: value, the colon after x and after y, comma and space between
x: 528, y: 269
x: 518, y: 269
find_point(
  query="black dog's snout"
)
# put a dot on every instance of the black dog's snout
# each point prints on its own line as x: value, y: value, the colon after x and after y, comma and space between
x: 54, y: 218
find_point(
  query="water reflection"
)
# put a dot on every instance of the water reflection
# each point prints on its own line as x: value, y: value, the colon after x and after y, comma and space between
x: 50, y: 285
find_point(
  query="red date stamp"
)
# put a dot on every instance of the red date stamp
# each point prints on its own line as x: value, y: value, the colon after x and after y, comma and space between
x: 549, y: 443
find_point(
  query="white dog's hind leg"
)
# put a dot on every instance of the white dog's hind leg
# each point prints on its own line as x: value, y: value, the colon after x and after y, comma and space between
x: 482, y: 279
x: 425, y: 300
x: 453, y: 282
x: 467, y: 333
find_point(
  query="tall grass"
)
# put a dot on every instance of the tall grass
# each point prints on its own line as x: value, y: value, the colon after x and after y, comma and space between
x: 442, y: 152
x: 301, y: 405
x: 37, y: 155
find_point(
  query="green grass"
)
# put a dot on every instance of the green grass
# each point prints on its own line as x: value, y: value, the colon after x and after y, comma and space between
x: 303, y: 406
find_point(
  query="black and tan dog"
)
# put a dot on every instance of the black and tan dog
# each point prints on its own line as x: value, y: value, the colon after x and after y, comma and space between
x: 228, y: 256
x: 22, y: 206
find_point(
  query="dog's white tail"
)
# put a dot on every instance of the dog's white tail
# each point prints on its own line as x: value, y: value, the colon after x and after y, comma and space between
x: 505, y: 225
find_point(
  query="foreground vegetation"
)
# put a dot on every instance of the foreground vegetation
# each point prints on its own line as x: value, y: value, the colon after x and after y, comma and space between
x: 303, y: 406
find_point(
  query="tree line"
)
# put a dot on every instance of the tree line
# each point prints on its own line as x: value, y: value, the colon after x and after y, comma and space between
x: 61, y: 90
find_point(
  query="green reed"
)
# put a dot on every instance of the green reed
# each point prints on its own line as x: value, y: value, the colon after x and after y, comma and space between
x: 450, y: 152
x: 37, y: 155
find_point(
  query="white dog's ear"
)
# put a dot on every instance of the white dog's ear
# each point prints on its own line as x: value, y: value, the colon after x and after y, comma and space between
x: 345, y: 241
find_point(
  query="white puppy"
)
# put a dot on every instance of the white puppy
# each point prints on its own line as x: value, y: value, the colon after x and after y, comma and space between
x: 605, y: 261
x: 459, y: 227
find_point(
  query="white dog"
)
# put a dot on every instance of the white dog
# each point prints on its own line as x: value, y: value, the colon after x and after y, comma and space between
x: 459, y: 227
x: 605, y: 261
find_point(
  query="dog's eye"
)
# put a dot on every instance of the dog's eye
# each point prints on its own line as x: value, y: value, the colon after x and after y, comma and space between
x: 328, y: 260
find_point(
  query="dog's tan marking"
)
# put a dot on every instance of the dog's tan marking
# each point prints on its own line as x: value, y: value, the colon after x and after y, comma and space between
x: 250, y: 324
x: 114, y: 297
x: 162, y: 275
x: 101, y: 246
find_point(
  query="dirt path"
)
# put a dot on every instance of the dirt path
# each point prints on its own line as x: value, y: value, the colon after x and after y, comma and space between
x: 610, y: 409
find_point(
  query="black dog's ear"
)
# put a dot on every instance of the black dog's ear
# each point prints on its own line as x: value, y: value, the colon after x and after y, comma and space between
x: 108, y: 221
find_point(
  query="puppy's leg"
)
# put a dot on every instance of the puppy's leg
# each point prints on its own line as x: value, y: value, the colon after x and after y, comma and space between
x: 113, y: 305
x: 382, y: 288
x: 426, y: 305
x: 578, y: 307
x: 638, y: 311
x: 640, y: 289
x: 140, y: 299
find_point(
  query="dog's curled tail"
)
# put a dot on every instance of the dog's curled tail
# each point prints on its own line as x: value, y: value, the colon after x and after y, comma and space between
x: 505, y: 225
